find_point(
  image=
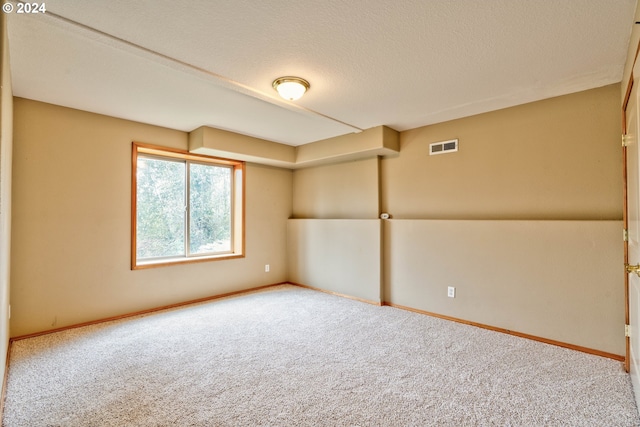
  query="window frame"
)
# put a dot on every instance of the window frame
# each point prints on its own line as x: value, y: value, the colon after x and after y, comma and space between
x: 237, y: 205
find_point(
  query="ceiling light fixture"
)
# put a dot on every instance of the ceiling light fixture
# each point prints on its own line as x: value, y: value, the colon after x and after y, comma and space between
x: 291, y: 88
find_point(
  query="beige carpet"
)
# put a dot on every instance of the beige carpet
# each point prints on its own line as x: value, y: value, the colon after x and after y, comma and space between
x: 288, y: 356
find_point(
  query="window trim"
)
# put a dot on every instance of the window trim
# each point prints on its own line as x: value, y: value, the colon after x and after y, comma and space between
x: 237, y: 200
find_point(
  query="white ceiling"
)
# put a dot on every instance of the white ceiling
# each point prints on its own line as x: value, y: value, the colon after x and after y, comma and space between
x: 183, y: 64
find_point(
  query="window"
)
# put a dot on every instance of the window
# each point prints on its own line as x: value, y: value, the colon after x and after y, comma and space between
x: 185, y: 207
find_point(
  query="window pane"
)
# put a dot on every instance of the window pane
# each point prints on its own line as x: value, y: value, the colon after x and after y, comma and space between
x: 210, y: 208
x: 160, y: 208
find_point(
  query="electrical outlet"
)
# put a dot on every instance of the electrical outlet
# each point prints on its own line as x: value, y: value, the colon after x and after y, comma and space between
x: 266, y: 268
x: 451, y: 292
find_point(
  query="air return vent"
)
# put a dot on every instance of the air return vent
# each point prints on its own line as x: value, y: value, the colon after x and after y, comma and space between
x: 443, y: 147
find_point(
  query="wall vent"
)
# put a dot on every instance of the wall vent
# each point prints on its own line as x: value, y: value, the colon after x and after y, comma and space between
x: 443, y: 147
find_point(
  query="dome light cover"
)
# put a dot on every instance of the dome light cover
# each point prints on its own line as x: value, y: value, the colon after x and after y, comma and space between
x: 291, y: 88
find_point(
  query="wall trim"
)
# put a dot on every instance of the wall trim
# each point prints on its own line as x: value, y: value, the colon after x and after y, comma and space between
x: 383, y: 303
x: 379, y: 304
x: 142, y: 312
x: 476, y: 324
x: 3, y: 392
x: 244, y: 291
x: 510, y: 332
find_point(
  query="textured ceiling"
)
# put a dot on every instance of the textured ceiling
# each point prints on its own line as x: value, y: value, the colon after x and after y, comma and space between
x: 404, y: 64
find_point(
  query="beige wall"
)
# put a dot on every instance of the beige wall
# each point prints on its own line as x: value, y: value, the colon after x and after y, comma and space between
x: 558, y: 158
x: 560, y: 280
x: 343, y: 190
x: 555, y: 165
x: 338, y: 255
x: 71, y: 228
x: 6, y: 144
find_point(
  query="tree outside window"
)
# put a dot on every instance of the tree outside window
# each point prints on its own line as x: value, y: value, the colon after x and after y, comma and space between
x: 185, y: 207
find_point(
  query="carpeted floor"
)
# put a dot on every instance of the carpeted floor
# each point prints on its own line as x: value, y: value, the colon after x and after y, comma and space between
x: 288, y: 356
